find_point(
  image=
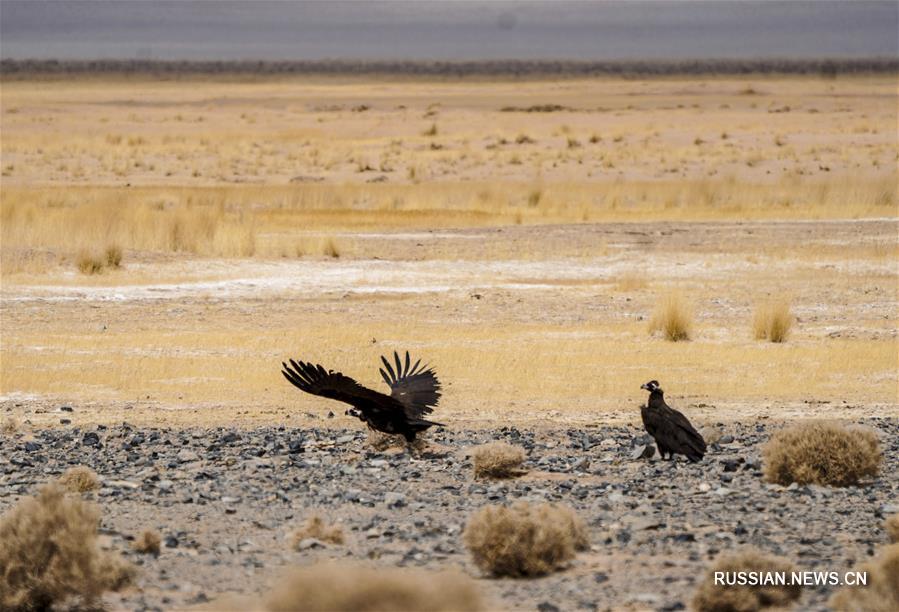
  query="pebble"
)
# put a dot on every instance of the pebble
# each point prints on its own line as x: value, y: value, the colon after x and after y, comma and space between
x: 258, y: 485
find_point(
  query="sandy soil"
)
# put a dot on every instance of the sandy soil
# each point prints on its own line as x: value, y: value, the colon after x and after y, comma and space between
x: 206, y: 343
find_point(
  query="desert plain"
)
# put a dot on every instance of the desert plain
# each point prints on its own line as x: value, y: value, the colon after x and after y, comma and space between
x: 167, y: 243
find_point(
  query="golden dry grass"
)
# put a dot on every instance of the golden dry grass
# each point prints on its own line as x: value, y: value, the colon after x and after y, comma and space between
x: 630, y: 282
x: 315, y: 527
x: 711, y: 597
x: 524, y: 540
x: 672, y: 318
x: 49, y: 554
x: 498, y: 460
x: 772, y: 321
x: 9, y: 426
x: 79, y: 479
x: 824, y: 453
x: 42, y: 225
x: 881, y: 594
x: 219, y: 189
x: 892, y: 528
x: 231, y: 181
x: 343, y: 587
x: 148, y: 542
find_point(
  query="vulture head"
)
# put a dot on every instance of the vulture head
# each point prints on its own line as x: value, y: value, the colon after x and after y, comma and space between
x: 651, y: 386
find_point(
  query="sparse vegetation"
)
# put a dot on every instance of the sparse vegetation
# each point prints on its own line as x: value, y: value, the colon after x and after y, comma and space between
x: 50, y: 554
x: 711, y: 597
x: 148, y: 542
x: 9, y: 426
x: 90, y: 263
x: 772, y: 321
x: 821, y: 452
x: 498, y: 460
x: 524, y: 540
x: 892, y: 528
x: 79, y: 479
x: 630, y: 282
x: 315, y: 527
x: 113, y: 256
x: 881, y: 594
x: 431, y: 131
x: 673, y: 318
x: 344, y: 588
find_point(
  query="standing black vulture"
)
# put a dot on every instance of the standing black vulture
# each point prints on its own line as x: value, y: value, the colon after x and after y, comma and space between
x: 414, y: 392
x: 670, y: 429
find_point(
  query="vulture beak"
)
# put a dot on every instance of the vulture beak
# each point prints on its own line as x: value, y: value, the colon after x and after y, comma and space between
x: 644, y: 386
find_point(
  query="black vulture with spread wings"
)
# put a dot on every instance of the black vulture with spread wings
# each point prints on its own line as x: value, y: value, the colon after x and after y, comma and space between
x: 670, y: 429
x: 414, y: 392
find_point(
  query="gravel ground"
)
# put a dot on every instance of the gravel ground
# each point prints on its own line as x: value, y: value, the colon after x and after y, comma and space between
x: 225, y: 502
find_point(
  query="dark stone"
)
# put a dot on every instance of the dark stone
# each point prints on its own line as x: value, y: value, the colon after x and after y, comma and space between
x: 91, y: 439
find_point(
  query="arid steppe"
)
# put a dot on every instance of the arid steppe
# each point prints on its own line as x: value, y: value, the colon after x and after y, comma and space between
x: 167, y: 243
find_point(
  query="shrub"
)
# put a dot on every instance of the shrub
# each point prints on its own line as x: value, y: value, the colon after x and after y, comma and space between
x: 711, y: 597
x: 892, y: 528
x: 79, y: 479
x: 524, y: 539
x: 10, y: 426
x: 772, y: 321
x: 330, y: 248
x: 316, y: 528
x: 148, y: 543
x: 381, y: 442
x: 431, y: 131
x: 346, y: 588
x: 823, y: 453
x: 113, y: 256
x: 50, y: 553
x: 90, y: 263
x: 498, y: 460
x: 881, y: 594
x: 673, y: 317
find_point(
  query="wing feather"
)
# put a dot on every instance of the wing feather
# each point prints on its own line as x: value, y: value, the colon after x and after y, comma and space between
x: 418, y: 390
x: 314, y: 379
x: 389, y: 369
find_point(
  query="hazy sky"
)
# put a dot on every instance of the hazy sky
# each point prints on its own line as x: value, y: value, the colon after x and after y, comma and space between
x: 371, y: 29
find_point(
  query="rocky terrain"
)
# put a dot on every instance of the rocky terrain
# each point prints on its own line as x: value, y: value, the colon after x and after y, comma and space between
x: 226, y: 501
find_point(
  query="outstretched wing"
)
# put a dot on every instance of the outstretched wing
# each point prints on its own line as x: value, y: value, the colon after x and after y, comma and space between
x: 316, y: 380
x: 415, y: 386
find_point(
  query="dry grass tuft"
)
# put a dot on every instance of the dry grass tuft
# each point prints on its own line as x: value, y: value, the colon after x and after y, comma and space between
x: 892, y: 527
x: 772, y: 321
x: 630, y: 282
x: 524, y: 539
x: 673, y: 317
x: 381, y: 442
x: 881, y: 594
x: 148, y: 543
x: 739, y: 598
x: 89, y: 262
x: 316, y: 528
x: 9, y: 426
x: 113, y: 256
x: 498, y: 460
x: 349, y: 588
x: 50, y: 553
x: 823, y: 453
x: 79, y: 479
